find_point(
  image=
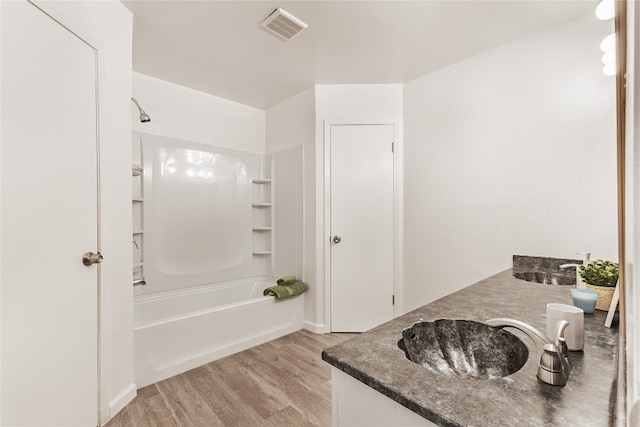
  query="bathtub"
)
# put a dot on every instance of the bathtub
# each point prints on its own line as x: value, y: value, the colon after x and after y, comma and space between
x: 179, y: 330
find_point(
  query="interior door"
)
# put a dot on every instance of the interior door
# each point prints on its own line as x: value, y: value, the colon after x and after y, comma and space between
x: 49, y: 219
x: 361, y: 226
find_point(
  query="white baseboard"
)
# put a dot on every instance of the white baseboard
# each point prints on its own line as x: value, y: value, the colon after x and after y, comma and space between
x: 118, y: 403
x: 315, y: 327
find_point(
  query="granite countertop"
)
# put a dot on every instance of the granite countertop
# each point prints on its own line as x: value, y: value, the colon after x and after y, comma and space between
x: 589, y: 397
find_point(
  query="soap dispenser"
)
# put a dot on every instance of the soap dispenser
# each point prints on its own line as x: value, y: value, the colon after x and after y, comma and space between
x: 579, y: 282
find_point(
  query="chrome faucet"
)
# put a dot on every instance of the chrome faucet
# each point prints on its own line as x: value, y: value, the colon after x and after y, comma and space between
x: 587, y: 257
x: 554, y: 367
x: 579, y: 281
x: 564, y: 266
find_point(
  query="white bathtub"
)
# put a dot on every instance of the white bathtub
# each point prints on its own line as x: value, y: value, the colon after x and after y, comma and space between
x: 179, y: 330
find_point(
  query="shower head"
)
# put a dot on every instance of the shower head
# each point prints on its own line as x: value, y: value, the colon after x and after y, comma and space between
x: 144, y: 117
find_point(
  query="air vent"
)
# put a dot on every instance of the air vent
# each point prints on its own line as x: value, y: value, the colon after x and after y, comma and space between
x: 282, y: 24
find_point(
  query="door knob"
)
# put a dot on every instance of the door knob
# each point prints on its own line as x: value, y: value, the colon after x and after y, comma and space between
x: 90, y: 258
x: 337, y: 239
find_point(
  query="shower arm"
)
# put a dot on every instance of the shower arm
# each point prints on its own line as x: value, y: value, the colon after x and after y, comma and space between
x: 135, y: 101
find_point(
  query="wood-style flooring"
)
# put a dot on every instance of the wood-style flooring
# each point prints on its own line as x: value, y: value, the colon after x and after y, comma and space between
x: 280, y: 383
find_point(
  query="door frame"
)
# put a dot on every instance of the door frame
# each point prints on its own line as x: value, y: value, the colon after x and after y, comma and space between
x: 398, y: 291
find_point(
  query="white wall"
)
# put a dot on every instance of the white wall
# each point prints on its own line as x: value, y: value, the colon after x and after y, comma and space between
x: 183, y: 113
x: 287, y: 212
x: 509, y: 152
x: 289, y: 124
x: 292, y: 122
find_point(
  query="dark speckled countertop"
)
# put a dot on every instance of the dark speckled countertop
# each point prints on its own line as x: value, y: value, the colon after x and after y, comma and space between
x: 588, y: 399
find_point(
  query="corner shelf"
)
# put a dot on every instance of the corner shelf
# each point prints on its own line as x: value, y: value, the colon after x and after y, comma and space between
x: 136, y: 170
x: 137, y: 202
x: 262, y: 224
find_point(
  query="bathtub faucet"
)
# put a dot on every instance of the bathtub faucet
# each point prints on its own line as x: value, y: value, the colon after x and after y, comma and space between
x: 554, y: 367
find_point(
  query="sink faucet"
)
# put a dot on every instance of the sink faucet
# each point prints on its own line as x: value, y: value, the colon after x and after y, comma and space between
x: 587, y: 257
x: 554, y: 367
x: 579, y: 281
x: 564, y: 266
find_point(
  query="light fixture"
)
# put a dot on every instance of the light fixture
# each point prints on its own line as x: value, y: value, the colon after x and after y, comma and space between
x: 144, y: 117
x: 608, y: 48
x: 605, y: 10
x: 608, y: 44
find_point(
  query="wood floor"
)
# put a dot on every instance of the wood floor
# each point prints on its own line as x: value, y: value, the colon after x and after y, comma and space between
x: 280, y: 383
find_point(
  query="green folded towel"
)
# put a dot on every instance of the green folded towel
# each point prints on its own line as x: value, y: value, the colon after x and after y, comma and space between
x: 289, y: 278
x: 286, y: 291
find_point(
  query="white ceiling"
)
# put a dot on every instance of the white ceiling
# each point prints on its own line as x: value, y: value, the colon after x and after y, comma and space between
x: 218, y: 47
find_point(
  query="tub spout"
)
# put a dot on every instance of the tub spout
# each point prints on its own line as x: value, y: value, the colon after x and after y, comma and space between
x: 554, y: 367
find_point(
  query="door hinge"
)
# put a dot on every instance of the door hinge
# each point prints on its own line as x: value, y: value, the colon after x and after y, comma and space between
x: 393, y: 148
x: 393, y: 300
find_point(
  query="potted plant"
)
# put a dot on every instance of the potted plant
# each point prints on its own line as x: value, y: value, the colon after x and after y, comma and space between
x: 601, y: 276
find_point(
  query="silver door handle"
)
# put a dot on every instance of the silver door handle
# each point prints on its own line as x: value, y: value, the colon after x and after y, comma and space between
x: 337, y: 239
x: 89, y: 258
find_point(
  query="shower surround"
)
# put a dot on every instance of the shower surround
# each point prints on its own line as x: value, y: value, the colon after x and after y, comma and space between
x: 211, y: 231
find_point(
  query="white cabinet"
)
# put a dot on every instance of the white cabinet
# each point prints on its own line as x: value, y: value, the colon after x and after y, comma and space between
x: 356, y: 404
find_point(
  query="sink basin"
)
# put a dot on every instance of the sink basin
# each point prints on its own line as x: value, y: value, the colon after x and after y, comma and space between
x: 545, y: 270
x: 547, y: 277
x: 464, y: 347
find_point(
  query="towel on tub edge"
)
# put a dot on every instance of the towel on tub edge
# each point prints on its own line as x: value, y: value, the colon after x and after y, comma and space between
x: 288, y: 290
x: 285, y: 280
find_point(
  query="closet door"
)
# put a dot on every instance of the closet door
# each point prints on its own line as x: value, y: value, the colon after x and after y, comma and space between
x: 361, y: 226
x: 49, y: 219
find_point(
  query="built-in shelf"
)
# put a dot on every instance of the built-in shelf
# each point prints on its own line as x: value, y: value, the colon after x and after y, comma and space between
x: 138, y: 225
x: 262, y: 219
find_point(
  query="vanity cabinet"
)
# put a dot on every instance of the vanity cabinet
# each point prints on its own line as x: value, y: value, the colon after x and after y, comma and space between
x: 356, y: 404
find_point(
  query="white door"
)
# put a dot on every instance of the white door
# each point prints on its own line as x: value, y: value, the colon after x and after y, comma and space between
x: 361, y: 226
x: 48, y: 220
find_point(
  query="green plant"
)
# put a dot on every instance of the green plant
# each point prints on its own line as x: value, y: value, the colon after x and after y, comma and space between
x: 599, y: 273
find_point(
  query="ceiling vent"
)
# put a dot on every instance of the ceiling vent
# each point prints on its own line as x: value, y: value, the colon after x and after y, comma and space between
x: 282, y: 24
